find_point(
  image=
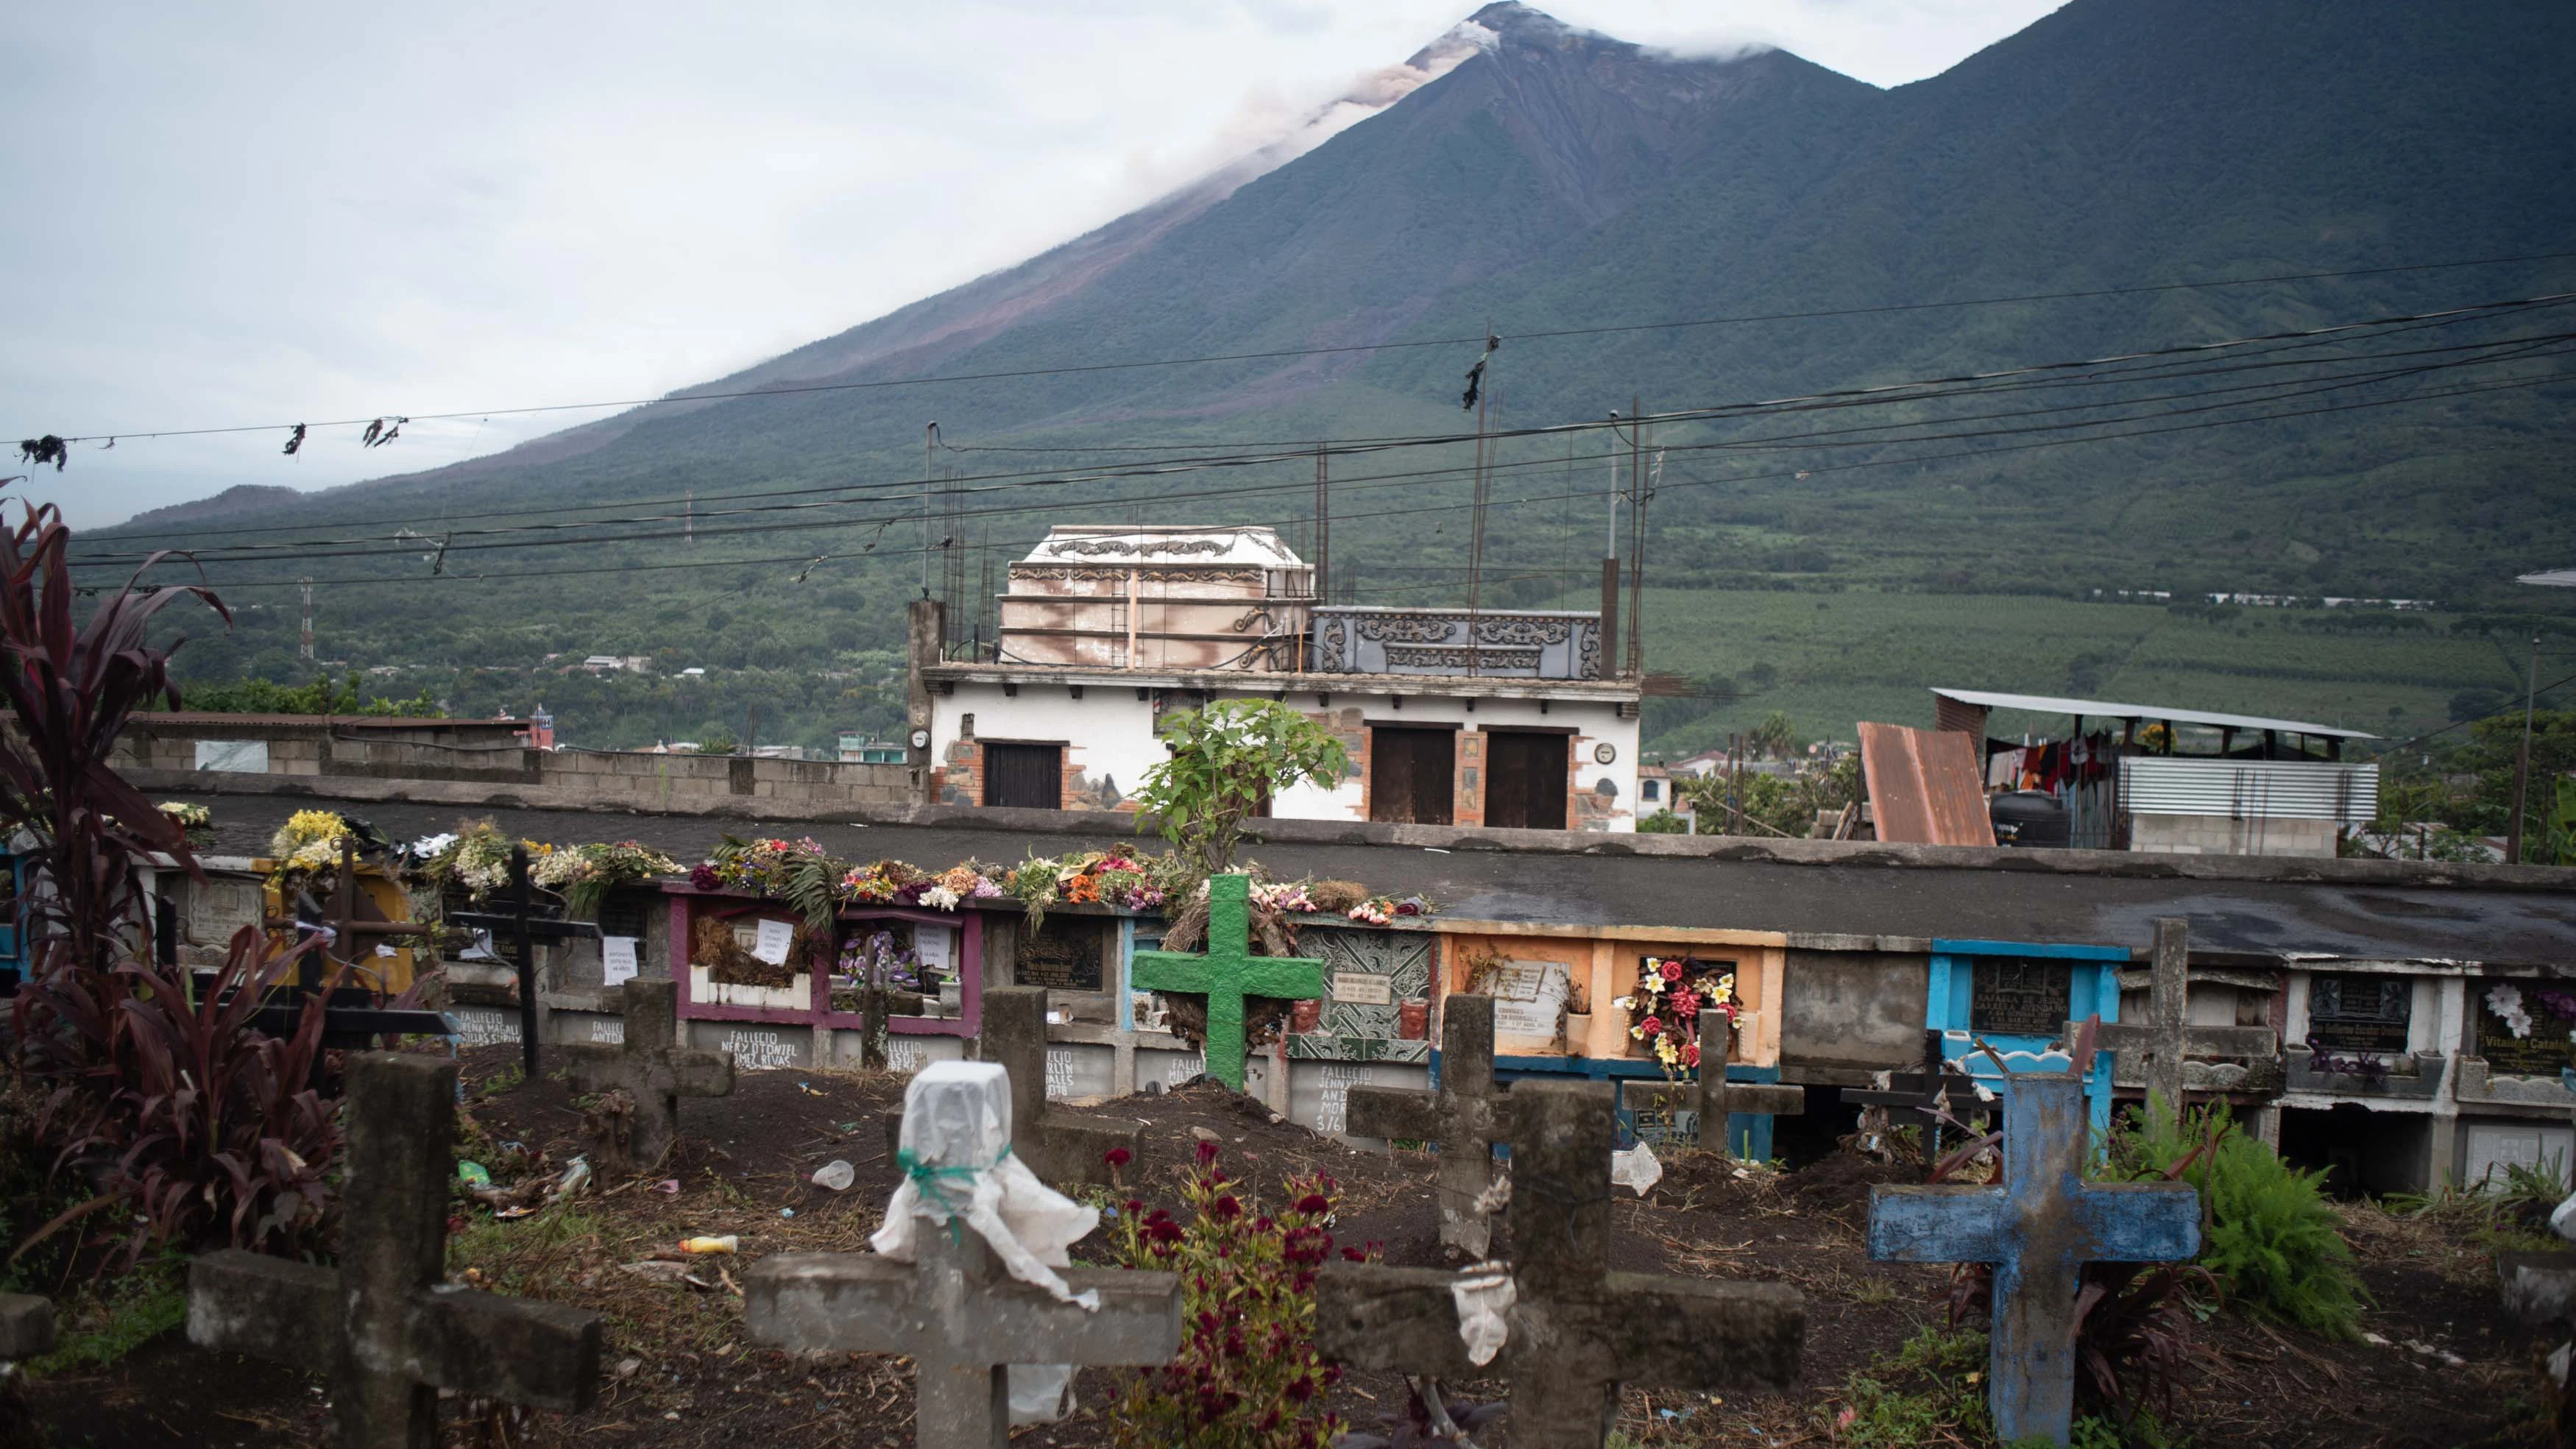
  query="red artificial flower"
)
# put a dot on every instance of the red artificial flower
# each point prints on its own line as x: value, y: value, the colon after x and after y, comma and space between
x: 1684, y: 1003
x: 1651, y: 1027
x: 1690, y: 1055
x: 1672, y: 971
x: 1118, y: 1156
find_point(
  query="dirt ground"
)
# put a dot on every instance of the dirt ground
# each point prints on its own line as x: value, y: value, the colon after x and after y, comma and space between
x: 679, y: 1373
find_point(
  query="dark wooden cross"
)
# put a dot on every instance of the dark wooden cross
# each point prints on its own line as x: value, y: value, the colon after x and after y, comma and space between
x: 1228, y: 973
x: 2038, y: 1229
x: 393, y: 1332
x: 2167, y: 1038
x: 1712, y: 1096
x: 958, y: 1317
x: 525, y: 929
x: 649, y: 1066
x: 352, y: 1018
x: 1577, y: 1330
x: 1930, y: 1090
x: 1465, y: 1117
x: 1058, y: 1146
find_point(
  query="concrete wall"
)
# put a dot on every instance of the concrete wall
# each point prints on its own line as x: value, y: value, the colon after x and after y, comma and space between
x: 1850, y: 1012
x: 2220, y: 835
x: 157, y: 758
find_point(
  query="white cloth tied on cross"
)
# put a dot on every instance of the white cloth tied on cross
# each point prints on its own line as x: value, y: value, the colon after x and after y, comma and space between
x: 1483, y: 1294
x: 955, y: 1152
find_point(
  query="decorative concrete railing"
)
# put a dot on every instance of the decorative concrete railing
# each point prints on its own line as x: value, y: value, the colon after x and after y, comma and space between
x: 1517, y: 644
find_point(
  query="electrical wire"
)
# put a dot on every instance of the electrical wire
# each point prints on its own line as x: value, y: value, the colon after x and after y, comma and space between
x: 2124, y: 365
x: 1292, y: 352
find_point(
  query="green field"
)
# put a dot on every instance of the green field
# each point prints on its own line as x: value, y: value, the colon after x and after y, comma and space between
x: 1830, y: 660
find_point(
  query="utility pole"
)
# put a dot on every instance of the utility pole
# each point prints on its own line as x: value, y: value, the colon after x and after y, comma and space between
x: 929, y: 440
x: 304, y: 648
x: 1476, y: 527
x: 1638, y: 493
x: 1610, y: 565
x: 1323, y: 525
x: 2522, y: 760
x: 689, y: 528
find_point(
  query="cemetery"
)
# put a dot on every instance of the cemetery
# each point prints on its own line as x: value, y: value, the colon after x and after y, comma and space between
x: 384, y: 1126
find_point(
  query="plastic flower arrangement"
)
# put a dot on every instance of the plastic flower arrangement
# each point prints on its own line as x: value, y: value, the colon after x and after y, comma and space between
x: 479, y: 859
x: 1387, y: 910
x: 762, y: 867
x: 586, y: 873
x: 1287, y: 896
x: 897, y: 970
x: 966, y: 882
x: 886, y: 883
x: 1665, y: 1008
x: 2514, y: 1006
x: 196, y: 822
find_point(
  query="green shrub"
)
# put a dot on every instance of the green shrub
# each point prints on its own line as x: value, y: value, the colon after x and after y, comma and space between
x: 2269, y: 1236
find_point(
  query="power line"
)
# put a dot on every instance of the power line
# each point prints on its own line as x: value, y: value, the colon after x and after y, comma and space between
x: 2137, y: 365
x: 1292, y: 352
x: 2278, y: 390
x: 1413, y: 510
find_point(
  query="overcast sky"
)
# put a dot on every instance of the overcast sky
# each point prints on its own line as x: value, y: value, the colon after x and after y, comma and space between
x: 244, y: 214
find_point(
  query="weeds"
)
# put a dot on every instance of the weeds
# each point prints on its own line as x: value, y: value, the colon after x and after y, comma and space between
x: 118, y: 1316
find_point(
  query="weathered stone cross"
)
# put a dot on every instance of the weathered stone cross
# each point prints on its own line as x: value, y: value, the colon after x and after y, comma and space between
x: 1577, y: 1330
x: 1228, y: 973
x: 2167, y: 1038
x: 393, y: 1332
x: 962, y: 1321
x: 1712, y: 1096
x: 647, y: 1066
x: 1466, y: 1117
x: 2038, y: 1229
x: 1058, y: 1146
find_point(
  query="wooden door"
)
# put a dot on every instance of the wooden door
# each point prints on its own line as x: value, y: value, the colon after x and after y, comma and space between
x: 1525, y: 780
x: 1410, y: 774
x: 1030, y: 777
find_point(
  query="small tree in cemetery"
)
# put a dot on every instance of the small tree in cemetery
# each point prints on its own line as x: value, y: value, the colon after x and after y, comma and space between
x: 1228, y: 760
x: 205, y: 1126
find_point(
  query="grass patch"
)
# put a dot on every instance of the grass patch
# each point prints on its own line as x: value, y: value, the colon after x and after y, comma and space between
x: 105, y: 1323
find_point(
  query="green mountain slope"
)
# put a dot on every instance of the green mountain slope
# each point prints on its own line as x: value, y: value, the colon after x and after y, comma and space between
x: 1565, y: 181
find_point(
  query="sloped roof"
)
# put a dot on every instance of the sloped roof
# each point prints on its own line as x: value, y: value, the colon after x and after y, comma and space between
x: 2107, y: 709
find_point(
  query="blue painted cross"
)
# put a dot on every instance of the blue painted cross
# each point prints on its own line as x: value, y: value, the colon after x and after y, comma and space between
x: 2038, y: 1229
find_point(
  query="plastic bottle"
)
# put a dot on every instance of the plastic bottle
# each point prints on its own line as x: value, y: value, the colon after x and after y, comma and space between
x: 726, y: 1244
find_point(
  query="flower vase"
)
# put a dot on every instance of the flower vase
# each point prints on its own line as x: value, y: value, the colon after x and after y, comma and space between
x: 1413, y: 1020
x: 1305, y: 1016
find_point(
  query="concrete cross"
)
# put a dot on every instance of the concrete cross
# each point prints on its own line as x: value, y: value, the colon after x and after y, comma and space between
x: 1466, y: 1117
x: 393, y: 1332
x: 1058, y: 1146
x: 2168, y: 1039
x: 1712, y: 1096
x: 650, y: 1068
x: 2038, y: 1229
x: 1577, y: 1330
x: 961, y: 1320
x: 1228, y: 973
x: 26, y: 1326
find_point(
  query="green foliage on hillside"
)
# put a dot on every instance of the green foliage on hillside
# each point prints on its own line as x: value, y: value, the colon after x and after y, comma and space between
x: 1550, y: 188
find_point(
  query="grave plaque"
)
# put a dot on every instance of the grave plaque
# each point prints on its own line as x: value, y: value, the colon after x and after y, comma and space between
x: 2017, y: 996
x: 2350, y: 1011
x: 1065, y: 954
x: 2546, y: 1043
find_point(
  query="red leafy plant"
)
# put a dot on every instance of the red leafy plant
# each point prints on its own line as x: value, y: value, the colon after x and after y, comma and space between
x: 1247, y: 1376
x: 204, y: 1125
x: 173, y: 1107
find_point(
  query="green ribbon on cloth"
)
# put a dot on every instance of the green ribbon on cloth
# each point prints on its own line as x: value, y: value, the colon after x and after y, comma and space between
x: 932, y: 1180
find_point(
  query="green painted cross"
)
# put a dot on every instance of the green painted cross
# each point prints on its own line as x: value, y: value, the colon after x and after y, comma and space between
x: 1228, y: 973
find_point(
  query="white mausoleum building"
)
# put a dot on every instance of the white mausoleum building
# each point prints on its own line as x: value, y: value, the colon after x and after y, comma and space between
x: 1505, y: 718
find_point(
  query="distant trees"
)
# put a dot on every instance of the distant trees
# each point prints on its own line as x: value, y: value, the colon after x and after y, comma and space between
x: 260, y: 696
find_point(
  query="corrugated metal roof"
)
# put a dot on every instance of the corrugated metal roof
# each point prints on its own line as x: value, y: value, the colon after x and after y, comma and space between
x: 1924, y: 786
x: 2051, y: 704
x: 2249, y: 789
x: 2552, y: 578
